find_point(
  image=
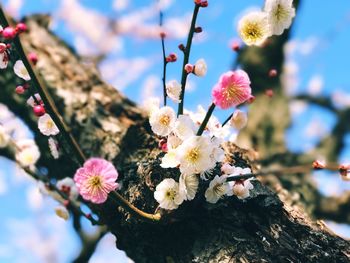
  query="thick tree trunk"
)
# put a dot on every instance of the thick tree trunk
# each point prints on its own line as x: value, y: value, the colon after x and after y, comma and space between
x: 261, y: 229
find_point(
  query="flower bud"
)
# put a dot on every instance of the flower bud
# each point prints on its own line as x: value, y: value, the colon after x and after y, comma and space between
x: 200, y: 68
x: 272, y: 73
x: 39, y: 110
x: 20, y: 90
x: 239, y: 120
x: 9, y: 33
x: 189, y: 68
x: 21, y: 27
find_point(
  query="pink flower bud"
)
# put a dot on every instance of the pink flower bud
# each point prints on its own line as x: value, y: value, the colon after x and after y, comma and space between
x: 21, y: 27
x: 9, y: 33
x: 39, y: 110
x: 162, y: 34
x: 20, y: 90
x: 269, y: 93
x: 189, y: 68
x: 33, y: 57
x: 235, y: 46
x: 272, y: 73
x: 318, y: 165
x: 171, y: 58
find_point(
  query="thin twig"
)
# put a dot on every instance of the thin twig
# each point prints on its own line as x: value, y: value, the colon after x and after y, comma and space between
x: 164, y: 58
x: 186, y: 59
x: 206, y: 119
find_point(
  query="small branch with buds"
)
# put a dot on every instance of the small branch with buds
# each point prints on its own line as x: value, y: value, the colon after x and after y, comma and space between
x: 49, y: 103
x: 187, y: 51
x: 304, y: 168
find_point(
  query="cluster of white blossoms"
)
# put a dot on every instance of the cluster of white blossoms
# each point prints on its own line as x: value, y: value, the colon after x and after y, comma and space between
x: 255, y: 27
x: 195, y: 156
x: 221, y: 186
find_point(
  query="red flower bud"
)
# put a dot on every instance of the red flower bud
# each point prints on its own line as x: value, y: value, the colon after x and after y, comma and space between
x: 182, y: 47
x: 198, y: 29
x: 33, y: 57
x: 204, y: 4
x: 162, y: 34
x: 21, y: 27
x: 20, y: 90
x: 235, y: 46
x: 272, y: 73
x: 39, y: 110
x: 9, y: 33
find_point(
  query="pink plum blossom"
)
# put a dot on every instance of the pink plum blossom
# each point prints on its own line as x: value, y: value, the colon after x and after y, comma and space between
x: 96, y: 179
x: 232, y: 89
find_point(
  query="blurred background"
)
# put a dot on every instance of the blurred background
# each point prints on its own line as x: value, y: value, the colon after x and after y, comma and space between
x: 122, y: 38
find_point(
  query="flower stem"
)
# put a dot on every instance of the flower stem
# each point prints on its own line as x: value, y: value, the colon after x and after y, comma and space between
x: 227, y: 120
x: 206, y: 119
x: 44, y: 94
x: 134, y: 210
x: 186, y: 59
x: 164, y: 59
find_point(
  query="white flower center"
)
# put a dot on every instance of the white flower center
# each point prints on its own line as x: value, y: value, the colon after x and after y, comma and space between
x: 164, y: 120
x: 280, y: 12
x: 252, y: 31
x: 193, y: 155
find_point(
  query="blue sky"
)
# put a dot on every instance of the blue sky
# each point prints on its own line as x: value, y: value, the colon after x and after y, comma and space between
x: 321, y: 38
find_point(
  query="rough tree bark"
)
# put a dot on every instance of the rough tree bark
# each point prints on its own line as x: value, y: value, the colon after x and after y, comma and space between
x: 264, y: 228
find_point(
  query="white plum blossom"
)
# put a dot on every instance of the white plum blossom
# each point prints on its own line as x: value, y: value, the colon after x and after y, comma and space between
x: 31, y: 102
x: 254, y: 28
x: 184, y: 127
x: 200, y: 68
x: 194, y: 155
x: 27, y: 152
x: 217, y: 154
x: 173, y: 141
x: 53, y: 146
x: 20, y: 70
x: 280, y: 15
x: 214, y: 127
x: 47, y: 126
x: 170, y: 159
x: 68, y: 186
x: 238, y: 120
x: 188, y: 186
x: 173, y: 90
x: 218, y: 187
x: 227, y: 169
x: 4, y: 58
x: 62, y: 212
x: 168, y: 195
x: 240, y: 188
x: 4, y: 137
x: 162, y: 121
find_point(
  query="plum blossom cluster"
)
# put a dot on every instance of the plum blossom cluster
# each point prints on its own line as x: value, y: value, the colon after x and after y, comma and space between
x: 255, y: 27
x: 45, y: 123
x: 192, y: 142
